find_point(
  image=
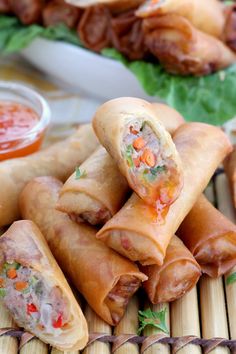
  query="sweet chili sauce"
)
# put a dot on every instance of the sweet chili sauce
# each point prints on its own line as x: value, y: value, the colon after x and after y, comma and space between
x: 16, y: 122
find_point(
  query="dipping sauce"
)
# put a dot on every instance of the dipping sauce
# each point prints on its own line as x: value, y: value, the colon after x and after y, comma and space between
x: 16, y: 122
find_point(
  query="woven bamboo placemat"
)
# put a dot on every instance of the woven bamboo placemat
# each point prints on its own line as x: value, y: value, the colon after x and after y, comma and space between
x: 203, y: 321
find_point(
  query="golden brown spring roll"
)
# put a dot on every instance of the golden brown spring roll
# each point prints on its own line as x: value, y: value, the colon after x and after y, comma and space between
x: 28, y: 11
x: 59, y: 160
x: 56, y: 12
x: 116, y: 5
x: 130, y: 131
x: 230, y: 169
x: 230, y: 28
x: 104, y: 278
x: 178, y: 274
x: 182, y: 49
x: 207, y: 16
x: 5, y: 6
x: 211, y: 238
x: 35, y: 291
x: 137, y: 231
x: 99, y: 191
x: 96, y: 193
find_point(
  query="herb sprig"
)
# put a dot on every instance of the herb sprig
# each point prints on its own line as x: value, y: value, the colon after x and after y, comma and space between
x: 80, y: 174
x: 154, y: 319
x: 231, y: 278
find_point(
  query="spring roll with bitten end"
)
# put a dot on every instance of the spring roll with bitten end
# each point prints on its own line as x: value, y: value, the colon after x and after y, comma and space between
x: 58, y: 160
x: 104, y: 278
x: 95, y: 192
x: 178, y: 274
x: 98, y: 191
x: 137, y: 231
x: 184, y: 50
x: 35, y: 291
x: 211, y: 238
x: 207, y: 16
x: 130, y: 131
x: 230, y: 169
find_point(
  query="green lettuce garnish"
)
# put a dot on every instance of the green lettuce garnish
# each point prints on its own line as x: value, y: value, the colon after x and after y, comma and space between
x: 231, y: 278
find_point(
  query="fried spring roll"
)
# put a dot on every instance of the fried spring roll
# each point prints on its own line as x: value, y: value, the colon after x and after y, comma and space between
x: 230, y: 169
x: 97, y: 193
x: 56, y: 12
x: 100, y: 190
x: 178, y: 274
x: 5, y: 6
x: 182, y: 49
x: 137, y: 231
x: 207, y: 16
x: 35, y: 291
x: 104, y: 278
x: 59, y: 160
x: 230, y: 28
x: 211, y: 238
x: 130, y: 131
x: 28, y: 11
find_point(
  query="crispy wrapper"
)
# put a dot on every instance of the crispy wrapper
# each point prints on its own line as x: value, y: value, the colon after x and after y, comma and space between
x: 211, y: 238
x: 93, y: 28
x: 230, y: 169
x: 178, y: 274
x: 24, y: 243
x: 114, y: 5
x: 104, y: 278
x: 112, y: 124
x: 207, y: 16
x: 182, y: 49
x: 98, y: 194
x: 56, y: 12
x: 136, y: 231
x: 230, y: 28
x: 28, y: 11
x: 59, y: 160
x: 101, y: 190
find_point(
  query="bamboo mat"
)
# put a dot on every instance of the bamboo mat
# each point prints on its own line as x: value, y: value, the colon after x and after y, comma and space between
x: 208, y: 311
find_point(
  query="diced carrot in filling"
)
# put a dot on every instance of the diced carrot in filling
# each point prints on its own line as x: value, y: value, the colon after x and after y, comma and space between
x: 33, y: 302
x: 152, y: 172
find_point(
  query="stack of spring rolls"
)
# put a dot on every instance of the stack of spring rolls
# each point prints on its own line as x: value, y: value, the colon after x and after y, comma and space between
x: 132, y: 213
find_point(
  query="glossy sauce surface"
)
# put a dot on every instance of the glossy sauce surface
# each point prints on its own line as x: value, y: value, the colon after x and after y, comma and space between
x: 16, y: 121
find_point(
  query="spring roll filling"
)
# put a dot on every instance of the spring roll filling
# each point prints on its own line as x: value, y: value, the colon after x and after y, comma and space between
x: 150, y: 165
x: 119, y: 296
x: 34, y: 303
x: 175, y: 280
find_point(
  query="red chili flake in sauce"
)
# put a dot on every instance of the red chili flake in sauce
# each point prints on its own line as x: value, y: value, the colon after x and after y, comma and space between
x: 31, y: 308
x: 58, y: 322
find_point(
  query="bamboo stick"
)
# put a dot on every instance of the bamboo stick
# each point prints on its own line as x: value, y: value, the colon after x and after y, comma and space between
x: 128, y: 325
x: 8, y: 345
x: 213, y: 311
x: 185, y: 320
x: 148, y: 331
x: 226, y: 206
x: 35, y: 346
x: 96, y: 324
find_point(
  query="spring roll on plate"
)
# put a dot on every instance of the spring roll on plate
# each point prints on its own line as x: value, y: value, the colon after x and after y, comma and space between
x: 116, y: 5
x: 211, y: 238
x: 58, y: 160
x: 130, y: 131
x: 137, y: 231
x: 230, y: 169
x: 104, y: 278
x: 96, y: 191
x: 206, y: 15
x: 178, y: 274
x: 35, y: 291
x: 182, y: 49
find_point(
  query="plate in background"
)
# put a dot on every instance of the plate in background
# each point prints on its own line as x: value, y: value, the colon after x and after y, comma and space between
x: 83, y: 70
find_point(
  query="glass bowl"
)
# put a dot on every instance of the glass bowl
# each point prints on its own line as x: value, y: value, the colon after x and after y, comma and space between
x: 31, y: 140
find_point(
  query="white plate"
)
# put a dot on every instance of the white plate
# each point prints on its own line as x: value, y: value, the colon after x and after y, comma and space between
x: 83, y: 70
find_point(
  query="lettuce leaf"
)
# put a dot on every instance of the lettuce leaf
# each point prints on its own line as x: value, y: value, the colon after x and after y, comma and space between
x: 209, y: 99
